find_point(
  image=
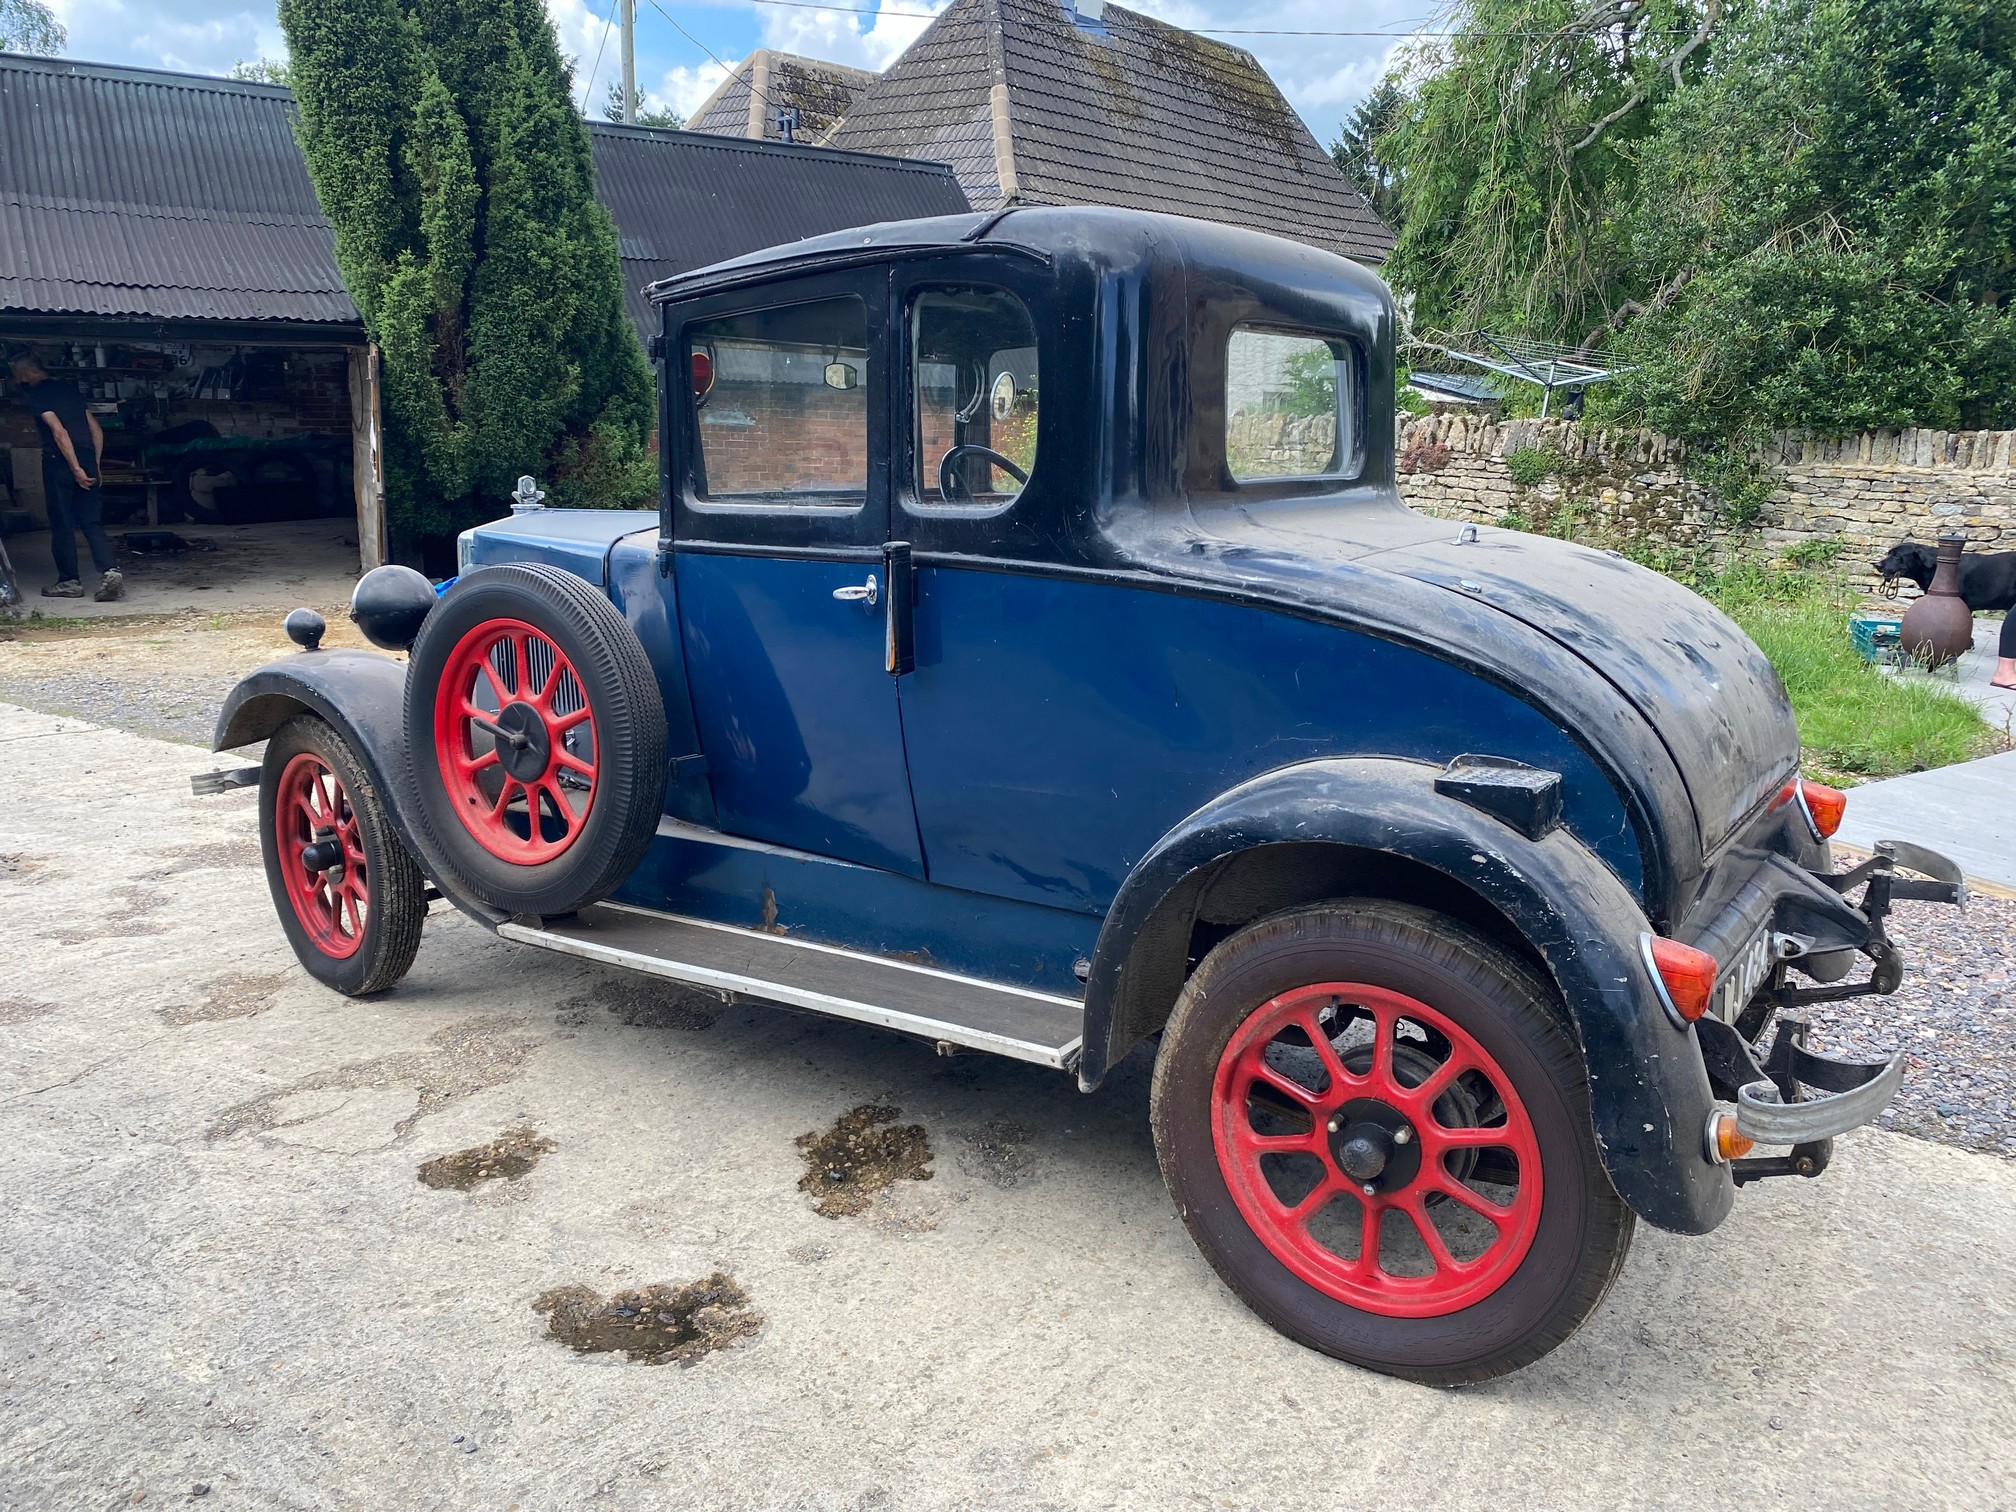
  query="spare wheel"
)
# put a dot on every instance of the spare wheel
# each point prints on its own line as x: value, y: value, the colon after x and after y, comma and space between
x: 537, y: 738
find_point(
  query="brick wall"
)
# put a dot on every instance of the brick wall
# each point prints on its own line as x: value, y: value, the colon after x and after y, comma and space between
x: 774, y: 437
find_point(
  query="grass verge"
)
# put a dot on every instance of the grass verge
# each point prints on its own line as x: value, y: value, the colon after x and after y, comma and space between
x: 1854, y: 722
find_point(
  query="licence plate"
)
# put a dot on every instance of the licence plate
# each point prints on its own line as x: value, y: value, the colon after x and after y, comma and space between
x: 1740, y: 983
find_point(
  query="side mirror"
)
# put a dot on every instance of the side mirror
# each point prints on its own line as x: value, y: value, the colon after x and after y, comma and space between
x: 840, y: 375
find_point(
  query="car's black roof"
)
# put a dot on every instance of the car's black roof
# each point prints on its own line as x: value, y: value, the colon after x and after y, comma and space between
x: 1115, y: 237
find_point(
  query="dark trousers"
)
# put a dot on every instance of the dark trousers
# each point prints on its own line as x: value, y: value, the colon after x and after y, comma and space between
x: 72, y: 509
x: 2008, y: 645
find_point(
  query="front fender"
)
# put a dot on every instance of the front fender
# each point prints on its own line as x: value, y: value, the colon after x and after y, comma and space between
x: 1649, y: 1092
x: 363, y: 695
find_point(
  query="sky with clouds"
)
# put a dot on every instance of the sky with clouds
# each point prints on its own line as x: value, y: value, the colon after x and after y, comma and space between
x: 1322, y: 76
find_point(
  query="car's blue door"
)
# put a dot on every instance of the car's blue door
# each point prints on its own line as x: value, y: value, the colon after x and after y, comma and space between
x: 782, y: 512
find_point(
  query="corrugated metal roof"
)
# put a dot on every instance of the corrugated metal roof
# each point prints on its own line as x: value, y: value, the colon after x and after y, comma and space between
x: 127, y: 191
x: 690, y: 200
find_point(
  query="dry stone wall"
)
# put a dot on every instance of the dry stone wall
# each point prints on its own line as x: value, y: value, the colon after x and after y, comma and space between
x: 1866, y: 491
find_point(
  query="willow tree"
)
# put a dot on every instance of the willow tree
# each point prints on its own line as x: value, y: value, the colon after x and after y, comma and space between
x: 1826, y: 226
x: 446, y: 152
x: 1519, y: 148
x: 29, y: 26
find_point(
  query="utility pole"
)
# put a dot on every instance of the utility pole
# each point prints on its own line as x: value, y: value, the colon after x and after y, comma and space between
x: 629, y: 60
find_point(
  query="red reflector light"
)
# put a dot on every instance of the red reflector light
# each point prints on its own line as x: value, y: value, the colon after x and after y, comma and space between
x: 1688, y: 975
x: 703, y: 374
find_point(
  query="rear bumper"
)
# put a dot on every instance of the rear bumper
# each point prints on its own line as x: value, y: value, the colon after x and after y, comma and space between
x: 1763, y: 1115
x: 1794, y: 1095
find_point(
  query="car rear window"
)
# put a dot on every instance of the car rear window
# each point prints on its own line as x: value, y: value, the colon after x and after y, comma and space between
x: 1291, y: 405
x: 781, y: 397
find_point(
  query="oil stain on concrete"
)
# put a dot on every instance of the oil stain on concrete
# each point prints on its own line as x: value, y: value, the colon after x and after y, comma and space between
x: 130, y: 917
x: 642, y: 1004
x: 865, y: 1151
x: 23, y: 1010
x: 997, y: 1153
x: 224, y: 855
x: 508, y: 1157
x: 464, y: 1059
x: 244, y: 994
x: 17, y: 866
x: 653, y: 1325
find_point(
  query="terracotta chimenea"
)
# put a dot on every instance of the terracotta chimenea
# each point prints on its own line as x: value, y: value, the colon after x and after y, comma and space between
x: 1940, y: 627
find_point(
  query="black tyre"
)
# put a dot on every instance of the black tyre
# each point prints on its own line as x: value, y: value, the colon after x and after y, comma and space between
x: 1375, y: 1123
x: 348, y: 895
x: 537, y: 739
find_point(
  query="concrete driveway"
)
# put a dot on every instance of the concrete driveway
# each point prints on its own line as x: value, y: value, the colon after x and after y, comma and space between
x: 219, y: 1266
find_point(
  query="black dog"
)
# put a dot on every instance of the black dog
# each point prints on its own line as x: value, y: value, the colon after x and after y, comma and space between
x: 1986, y: 582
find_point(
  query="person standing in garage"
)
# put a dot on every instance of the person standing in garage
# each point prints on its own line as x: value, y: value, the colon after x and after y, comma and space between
x: 71, y: 446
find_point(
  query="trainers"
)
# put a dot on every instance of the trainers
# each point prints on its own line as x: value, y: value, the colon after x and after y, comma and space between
x: 112, y: 587
x: 68, y: 588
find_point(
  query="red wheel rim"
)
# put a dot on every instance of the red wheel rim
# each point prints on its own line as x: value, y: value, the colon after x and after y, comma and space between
x: 311, y: 808
x: 1455, y: 1202
x: 515, y: 739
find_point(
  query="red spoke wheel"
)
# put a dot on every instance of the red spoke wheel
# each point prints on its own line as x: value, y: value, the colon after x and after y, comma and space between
x: 1376, y: 1149
x: 537, y: 739
x: 349, y: 896
x: 1375, y: 1123
x: 515, y: 736
x: 313, y: 822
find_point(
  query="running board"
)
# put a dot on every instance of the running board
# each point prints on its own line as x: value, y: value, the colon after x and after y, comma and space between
x: 940, y: 1006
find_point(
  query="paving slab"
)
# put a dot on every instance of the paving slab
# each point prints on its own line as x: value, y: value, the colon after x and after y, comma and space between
x: 1966, y: 812
x: 219, y: 1266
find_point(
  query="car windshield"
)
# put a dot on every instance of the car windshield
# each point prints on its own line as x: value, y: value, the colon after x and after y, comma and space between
x: 782, y: 396
x: 974, y: 360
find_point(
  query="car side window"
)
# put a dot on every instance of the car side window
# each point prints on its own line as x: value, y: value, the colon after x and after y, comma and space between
x: 1291, y: 405
x: 973, y: 366
x: 781, y: 400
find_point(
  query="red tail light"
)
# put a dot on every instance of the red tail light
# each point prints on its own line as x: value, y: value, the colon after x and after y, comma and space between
x: 1687, y: 974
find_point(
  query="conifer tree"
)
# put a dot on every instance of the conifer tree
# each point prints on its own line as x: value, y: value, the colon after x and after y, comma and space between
x: 445, y: 149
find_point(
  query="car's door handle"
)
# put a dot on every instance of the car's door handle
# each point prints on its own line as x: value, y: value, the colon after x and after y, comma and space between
x: 861, y: 593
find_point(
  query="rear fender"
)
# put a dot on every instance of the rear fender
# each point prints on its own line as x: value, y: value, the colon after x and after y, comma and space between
x: 1649, y: 1091
x: 363, y: 696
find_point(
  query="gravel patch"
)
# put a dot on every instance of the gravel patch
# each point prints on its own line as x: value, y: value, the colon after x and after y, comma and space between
x: 166, y: 678
x: 1955, y: 1019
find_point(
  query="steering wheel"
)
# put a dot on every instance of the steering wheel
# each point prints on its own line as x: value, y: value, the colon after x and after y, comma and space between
x: 946, y: 475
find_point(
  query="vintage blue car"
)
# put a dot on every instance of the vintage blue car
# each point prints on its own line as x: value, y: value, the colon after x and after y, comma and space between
x: 1032, y: 655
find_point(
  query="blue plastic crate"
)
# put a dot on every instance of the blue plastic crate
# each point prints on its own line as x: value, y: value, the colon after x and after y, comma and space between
x: 1876, y: 633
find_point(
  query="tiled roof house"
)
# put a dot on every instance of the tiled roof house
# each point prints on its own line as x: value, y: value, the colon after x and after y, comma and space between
x: 1051, y: 102
x: 766, y: 82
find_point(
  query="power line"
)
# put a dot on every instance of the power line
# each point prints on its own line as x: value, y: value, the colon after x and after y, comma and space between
x: 1214, y: 31
x: 695, y: 41
x: 765, y: 98
x: 597, y: 69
